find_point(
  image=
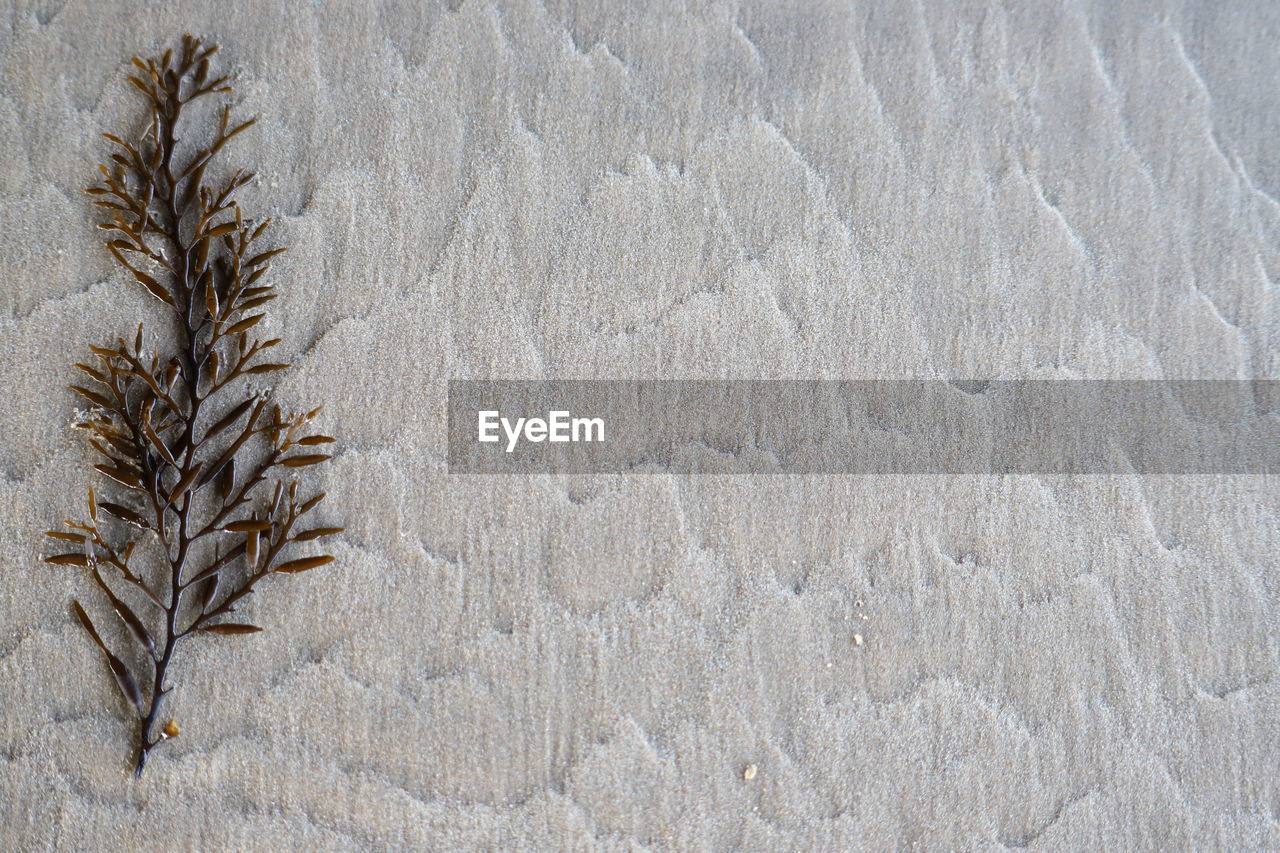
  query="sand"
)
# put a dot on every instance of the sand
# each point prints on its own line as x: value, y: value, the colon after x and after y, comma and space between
x: 724, y: 190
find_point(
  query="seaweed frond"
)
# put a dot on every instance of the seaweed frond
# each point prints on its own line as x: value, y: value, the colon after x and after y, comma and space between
x: 206, y: 504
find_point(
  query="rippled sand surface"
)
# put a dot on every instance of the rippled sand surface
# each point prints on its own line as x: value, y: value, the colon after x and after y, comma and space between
x: 635, y: 190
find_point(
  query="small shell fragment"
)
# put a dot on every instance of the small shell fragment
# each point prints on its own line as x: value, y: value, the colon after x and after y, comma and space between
x: 749, y: 772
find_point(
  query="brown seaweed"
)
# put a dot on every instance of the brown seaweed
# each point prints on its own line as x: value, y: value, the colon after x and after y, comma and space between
x: 185, y: 447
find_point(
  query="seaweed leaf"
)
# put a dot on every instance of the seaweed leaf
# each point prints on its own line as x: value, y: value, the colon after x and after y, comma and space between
x: 188, y: 479
x: 130, y: 619
x: 208, y: 590
x: 121, y: 475
x: 244, y: 325
x: 304, y: 459
x: 229, y: 628
x: 304, y: 564
x: 316, y: 533
x: 125, y: 514
x: 228, y: 419
x: 68, y: 560
x: 128, y: 684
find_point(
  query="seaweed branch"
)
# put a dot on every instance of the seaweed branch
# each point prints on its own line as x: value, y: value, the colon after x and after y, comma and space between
x: 165, y: 419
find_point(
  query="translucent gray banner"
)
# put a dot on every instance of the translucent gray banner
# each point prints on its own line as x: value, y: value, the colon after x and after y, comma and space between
x: 864, y: 427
